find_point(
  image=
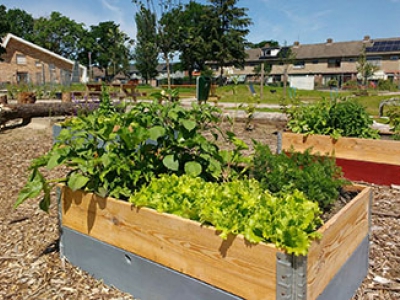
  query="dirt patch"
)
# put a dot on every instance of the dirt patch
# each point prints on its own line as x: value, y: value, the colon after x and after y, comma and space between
x: 30, y: 265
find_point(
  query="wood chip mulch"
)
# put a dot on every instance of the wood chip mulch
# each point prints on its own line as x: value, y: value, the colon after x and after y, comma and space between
x: 31, y: 267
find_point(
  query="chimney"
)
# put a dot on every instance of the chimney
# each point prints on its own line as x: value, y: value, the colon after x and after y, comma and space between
x: 329, y: 41
x: 296, y: 44
x: 366, y: 39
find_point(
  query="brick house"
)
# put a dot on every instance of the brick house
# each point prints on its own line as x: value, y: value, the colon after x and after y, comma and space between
x: 27, y: 63
x: 316, y: 64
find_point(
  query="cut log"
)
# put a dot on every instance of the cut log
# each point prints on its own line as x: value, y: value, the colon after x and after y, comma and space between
x: 40, y: 110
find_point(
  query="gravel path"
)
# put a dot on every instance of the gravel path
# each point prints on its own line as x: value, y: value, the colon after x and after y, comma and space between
x: 30, y: 266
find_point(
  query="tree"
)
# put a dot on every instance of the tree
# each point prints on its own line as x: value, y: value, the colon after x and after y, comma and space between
x: 267, y: 68
x: 364, y: 68
x: 59, y: 34
x: 146, y: 51
x: 21, y: 23
x: 286, y: 58
x: 193, y: 32
x: 4, y: 28
x: 167, y: 26
x: 262, y: 44
x: 229, y: 29
x: 111, y: 50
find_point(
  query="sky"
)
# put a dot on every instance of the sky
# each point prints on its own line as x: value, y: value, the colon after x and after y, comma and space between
x: 285, y: 21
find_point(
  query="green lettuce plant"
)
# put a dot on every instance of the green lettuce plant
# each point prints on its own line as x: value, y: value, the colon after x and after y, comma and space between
x: 238, y: 207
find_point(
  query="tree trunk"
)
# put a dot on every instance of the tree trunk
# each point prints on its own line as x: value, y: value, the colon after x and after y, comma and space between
x: 40, y: 110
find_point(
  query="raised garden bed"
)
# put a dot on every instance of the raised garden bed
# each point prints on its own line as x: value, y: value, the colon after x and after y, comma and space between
x: 161, y: 256
x: 373, y: 161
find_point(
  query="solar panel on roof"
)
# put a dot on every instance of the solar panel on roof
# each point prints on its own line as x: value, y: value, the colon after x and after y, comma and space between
x: 384, y: 46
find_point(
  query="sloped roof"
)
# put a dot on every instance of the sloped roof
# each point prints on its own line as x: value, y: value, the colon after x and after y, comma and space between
x: 253, y: 54
x: 328, y: 49
x: 11, y: 36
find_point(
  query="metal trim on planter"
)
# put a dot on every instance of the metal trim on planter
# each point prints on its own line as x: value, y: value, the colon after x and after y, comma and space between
x: 133, y: 274
x: 145, y: 279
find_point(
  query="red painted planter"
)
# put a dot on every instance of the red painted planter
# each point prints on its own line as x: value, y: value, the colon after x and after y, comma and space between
x: 372, y: 161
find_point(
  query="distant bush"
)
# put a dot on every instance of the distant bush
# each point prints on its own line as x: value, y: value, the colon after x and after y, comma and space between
x: 387, y: 85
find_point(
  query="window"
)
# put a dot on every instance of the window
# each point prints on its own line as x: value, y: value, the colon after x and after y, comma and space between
x: 394, y: 57
x: 38, y: 63
x: 22, y: 78
x: 315, y: 61
x: 21, y: 59
x: 267, y: 52
x: 375, y: 60
x: 299, y: 64
x: 334, y: 63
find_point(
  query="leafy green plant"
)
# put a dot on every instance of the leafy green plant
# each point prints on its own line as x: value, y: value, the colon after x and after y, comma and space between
x: 394, y: 120
x: 237, y: 207
x: 336, y: 118
x: 316, y: 176
x: 114, y: 154
x: 167, y: 95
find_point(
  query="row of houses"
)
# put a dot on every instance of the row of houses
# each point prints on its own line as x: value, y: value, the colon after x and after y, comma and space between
x: 311, y: 64
x: 317, y: 64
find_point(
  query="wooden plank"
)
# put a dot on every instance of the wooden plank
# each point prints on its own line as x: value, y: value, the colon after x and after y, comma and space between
x: 380, y: 151
x: 234, y: 265
x: 341, y: 236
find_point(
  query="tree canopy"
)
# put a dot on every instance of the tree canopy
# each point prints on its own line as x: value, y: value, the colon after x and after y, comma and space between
x: 4, y: 27
x: 228, y: 33
x: 111, y: 50
x: 146, y: 51
x: 262, y: 44
x: 59, y: 34
x: 20, y: 23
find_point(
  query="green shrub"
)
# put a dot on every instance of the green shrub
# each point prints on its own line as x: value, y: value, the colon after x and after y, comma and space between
x: 336, y: 118
x: 387, y: 85
x: 316, y: 176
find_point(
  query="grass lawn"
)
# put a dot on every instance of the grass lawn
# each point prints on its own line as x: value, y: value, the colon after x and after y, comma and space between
x: 240, y: 94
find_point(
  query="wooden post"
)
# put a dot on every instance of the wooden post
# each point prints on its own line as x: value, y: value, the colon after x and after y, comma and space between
x: 262, y: 82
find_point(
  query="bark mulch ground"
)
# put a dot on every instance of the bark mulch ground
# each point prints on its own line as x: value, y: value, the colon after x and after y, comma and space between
x: 30, y: 264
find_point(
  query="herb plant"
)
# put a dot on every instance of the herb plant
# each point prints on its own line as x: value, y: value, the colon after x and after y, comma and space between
x: 316, y: 176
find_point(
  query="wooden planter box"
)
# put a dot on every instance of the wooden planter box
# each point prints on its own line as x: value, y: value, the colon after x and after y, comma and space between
x: 160, y: 256
x: 373, y: 161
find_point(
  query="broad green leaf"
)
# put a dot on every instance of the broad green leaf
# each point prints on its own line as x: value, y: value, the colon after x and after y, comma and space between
x: 31, y: 190
x: 170, y: 162
x: 189, y: 125
x: 102, y: 192
x: 106, y: 160
x: 193, y: 168
x: 45, y: 202
x: 53, y: 161
x: 156, y: 132
x: 77, y: 181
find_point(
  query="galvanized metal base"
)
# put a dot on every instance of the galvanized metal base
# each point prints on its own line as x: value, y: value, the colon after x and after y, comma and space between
x: 130, y: 273
x: 350, y: 276
x: 147, y: 280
